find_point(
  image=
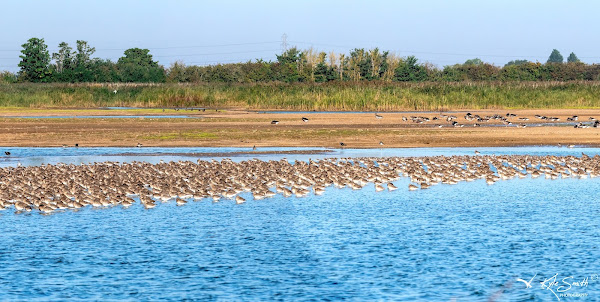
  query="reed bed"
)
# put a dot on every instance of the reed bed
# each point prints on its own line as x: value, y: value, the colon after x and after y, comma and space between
x: 341, y: 96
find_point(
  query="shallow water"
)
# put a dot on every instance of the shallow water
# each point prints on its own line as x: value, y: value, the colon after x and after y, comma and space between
x: 468, y: 241
x: 28, y: 156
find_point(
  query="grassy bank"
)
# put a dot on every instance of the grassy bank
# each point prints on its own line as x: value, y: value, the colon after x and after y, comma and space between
x: 331, y: 96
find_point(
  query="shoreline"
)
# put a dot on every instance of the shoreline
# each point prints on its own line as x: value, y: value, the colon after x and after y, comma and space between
x: 245, y: 129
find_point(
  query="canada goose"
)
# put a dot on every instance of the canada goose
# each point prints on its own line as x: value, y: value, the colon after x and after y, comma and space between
x: 274, y: 122
x: 304, y: 119
x: 342, y: 144
x: 377, y: 116
x: 7, y: 153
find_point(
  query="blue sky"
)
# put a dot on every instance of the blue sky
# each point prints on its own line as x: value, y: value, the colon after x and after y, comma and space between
x: 209, y: 32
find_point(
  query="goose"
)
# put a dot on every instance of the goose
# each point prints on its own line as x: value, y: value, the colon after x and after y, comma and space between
x: 304, y: 119
x: 274, y: 122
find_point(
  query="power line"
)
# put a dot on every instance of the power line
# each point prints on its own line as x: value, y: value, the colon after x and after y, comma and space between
x: 217, y: 53
x: 174, y: 47
x: 436, y: 53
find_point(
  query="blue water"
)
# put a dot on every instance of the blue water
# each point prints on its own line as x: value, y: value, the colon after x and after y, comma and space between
x: 468, y: 242
x: 28, y: 156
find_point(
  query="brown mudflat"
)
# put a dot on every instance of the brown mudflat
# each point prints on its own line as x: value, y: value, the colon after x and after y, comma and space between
x: 355, y: 130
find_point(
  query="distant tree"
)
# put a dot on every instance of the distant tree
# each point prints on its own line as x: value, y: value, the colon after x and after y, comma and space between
x: 7, y: 77
x: 360, y: 64
x: 409, y: 70
x: 516, y: 62
x: 476, y: 61
x: 137, y: 66
x: 555, y: 57
x: 35, y: 61
x: 323, y: 72
x: 572, y: 58
x: 64, y: 57
x: 291, y: 55
x: 290, y: 65
x: 84, y: 53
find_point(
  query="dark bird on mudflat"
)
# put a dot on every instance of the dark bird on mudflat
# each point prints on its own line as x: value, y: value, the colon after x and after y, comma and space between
x: 342, y: 144
x: 304, y: 119
x: 274, y: 122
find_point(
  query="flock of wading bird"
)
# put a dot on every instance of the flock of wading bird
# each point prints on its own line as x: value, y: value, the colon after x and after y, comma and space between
x: 510, y: 119
x: 50, y: 188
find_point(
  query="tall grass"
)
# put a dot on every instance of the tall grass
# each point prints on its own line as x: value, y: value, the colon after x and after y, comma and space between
x: 371, y: 96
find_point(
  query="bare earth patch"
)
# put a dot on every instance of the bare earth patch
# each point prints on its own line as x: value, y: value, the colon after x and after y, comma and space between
x: 246, y: 129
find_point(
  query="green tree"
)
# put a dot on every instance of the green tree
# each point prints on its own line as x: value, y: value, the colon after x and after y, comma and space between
x: 290, y: 65
x: 35, y: 61
x: 409, y: 70
x: 555, y: 57
x: 476, y: 62
x: 64, y: 57
x: 516, y: 62
x: 84, y: 54
x: 137, y: 66
x: 572, y: 58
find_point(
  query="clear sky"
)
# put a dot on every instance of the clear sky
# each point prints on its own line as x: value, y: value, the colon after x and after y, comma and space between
x: 224, y: 31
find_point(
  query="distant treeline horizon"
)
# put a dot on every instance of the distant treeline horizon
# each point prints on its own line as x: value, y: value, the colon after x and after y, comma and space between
x: 292, y: 66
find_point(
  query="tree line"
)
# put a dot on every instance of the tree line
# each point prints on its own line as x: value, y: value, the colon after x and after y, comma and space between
x: 292, y: 66
x: 68, y: 65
